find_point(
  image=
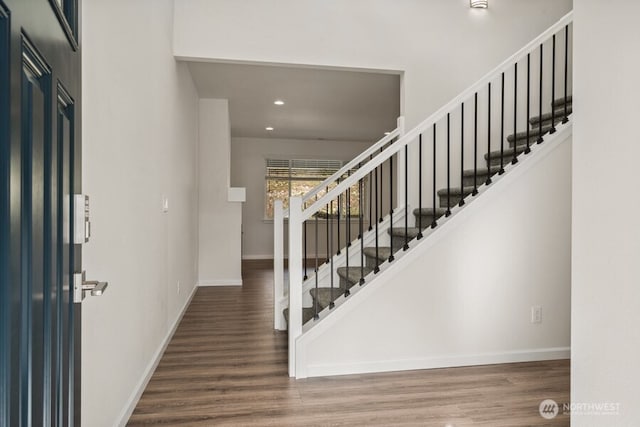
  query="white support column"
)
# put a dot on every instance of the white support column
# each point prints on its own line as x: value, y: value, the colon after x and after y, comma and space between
x: 278, y: 266
x: 295, y: 278
x: 400, y: 166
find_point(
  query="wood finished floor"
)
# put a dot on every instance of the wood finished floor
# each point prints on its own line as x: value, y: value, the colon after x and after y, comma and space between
x: 227, y: 366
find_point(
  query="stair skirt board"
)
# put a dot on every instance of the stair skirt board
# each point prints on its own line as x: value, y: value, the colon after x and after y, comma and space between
x: 530, y: 355
x: 432, y: 236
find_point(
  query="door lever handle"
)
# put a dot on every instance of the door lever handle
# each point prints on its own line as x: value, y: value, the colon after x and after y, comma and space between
x: 96, y: 288
x: 81, y: 287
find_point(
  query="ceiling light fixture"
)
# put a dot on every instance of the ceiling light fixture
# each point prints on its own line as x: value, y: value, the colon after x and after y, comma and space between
x: 386, y: 133
x: 278, y: 102
x: 479, y: 4
x: 269, y: 128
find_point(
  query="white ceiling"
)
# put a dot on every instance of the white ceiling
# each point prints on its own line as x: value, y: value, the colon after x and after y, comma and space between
x: 319, y: 103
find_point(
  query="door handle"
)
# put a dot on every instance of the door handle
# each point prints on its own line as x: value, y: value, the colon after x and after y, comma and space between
x: 81, y: 287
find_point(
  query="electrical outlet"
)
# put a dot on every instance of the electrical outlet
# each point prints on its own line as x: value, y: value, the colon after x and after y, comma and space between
x: 178, y: 286
x: 536, y: 314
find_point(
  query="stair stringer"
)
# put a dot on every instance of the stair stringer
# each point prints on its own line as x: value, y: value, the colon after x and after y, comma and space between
x: 401, y: 321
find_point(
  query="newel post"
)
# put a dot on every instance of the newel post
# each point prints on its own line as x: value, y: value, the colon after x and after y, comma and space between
x: 295, y: 278
x: 278, y: 266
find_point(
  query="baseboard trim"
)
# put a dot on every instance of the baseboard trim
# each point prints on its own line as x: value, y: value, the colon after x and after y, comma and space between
x: 532, y: 355
x: 222, y: 282
x: 153, y: 364
x: 257, y: 257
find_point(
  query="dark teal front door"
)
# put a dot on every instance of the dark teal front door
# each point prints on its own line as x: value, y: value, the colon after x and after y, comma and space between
x: 39, y: 173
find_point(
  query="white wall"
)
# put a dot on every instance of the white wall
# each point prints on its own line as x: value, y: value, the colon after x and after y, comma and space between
x: 219, y: 220
x: 139, y: 143
x: 464, y: 295
x: 442, y: 46
x: 248, y: 168
x: 606, y: 236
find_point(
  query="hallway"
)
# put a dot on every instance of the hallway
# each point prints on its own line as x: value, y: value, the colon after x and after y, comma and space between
x: 227, y: 366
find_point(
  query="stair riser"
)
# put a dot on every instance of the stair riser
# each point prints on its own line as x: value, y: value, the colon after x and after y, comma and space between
x: 523, y: 142
x: 426, y: 220
x: 495, y: 161
x: 468, y: 180
x: 324, y: 302
x: 397, y: 243
x: 371, y: 261
x: 453, y: 199
x: 344, y: 283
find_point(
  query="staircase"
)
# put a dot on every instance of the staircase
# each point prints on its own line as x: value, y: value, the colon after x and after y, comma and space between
x: 325, y: 297
x: 424, y: 176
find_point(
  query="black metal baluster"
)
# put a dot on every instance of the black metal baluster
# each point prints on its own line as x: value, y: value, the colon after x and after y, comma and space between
x: 420, y: 186
x: 305, y: 251
x: 327, y: 227
x: 502, y: 127
x: 381, y: 186
x: 540, y: 137
x: 434, y: 223
x: 406, y: 198
x: 475, y: 145
x: 331, y: 304
x: 349, y: 190
x: 448, y: 213
x: 360, y: 206
x: 361, y: 237
x: 488, y: 181
x: 566, y: 72
x: 553, y: 86
x: 370, y: 197
x: 339, y: 208
x: 461, y: 203
x: 528, y: 149
x: 515, y: 115
x: 391, y: 257
x: 375, y: 270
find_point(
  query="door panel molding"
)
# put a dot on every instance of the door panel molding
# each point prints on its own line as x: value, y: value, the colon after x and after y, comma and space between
x: 5, y: 222
x: 35, y: 337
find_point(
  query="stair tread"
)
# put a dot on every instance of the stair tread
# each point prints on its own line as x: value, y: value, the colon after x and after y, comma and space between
x: 384, y: 252
x: 561, y: 101
x: 456, y: 191
x: 559, y: 113
x: 508, y: 152
x: 323, y: 295
x: 307, y: 314
x: 353, y: 274
x: 399, y: 232
x: 481, y: 172
x: 533, y: 133
x: 429, y: 211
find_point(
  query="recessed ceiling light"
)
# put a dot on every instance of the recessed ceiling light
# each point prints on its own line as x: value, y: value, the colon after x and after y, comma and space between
x: 278, y: 102
x: 387, y: 133
x: 269, y: 128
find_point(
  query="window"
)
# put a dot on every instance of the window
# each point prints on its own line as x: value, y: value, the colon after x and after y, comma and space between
x: 288, y: 178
